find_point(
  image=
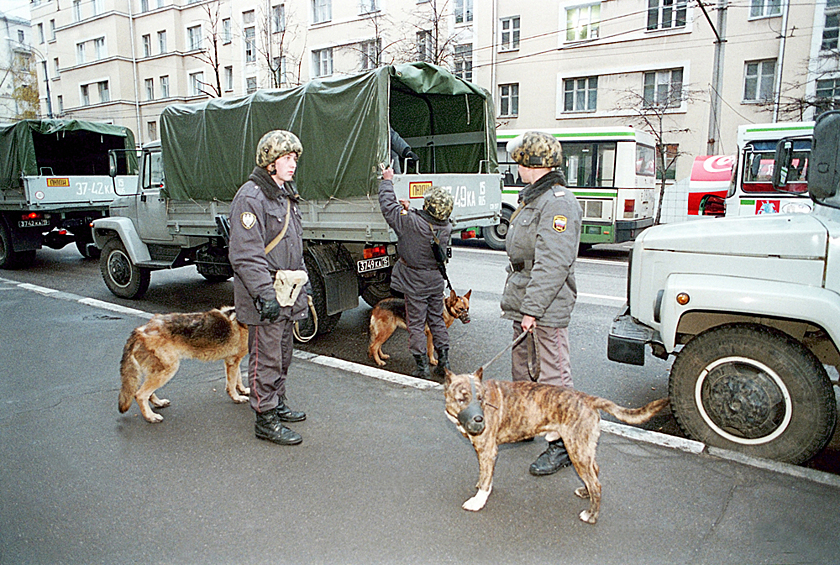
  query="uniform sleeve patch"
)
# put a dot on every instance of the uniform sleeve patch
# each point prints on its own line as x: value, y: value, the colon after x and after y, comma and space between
x: 560, y: 223
x: 249, y: 220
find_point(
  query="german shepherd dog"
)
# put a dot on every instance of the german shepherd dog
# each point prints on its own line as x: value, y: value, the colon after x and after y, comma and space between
x: 495, y: 412
x: 156, y: 349
x: 389, y: 314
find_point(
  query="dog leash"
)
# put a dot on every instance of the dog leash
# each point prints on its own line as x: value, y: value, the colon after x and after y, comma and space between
x: 533, y: 355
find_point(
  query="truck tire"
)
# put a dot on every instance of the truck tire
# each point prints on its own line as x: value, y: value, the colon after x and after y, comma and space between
x: 326, y: 324
x: 123, y: 278
x: 10, y: 259
x: 375, y: 292
x: 755, y: 390
x: 494, y: 236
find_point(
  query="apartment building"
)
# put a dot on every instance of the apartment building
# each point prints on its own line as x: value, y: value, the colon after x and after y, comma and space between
x: 16, y: 71
x: 695, y: 72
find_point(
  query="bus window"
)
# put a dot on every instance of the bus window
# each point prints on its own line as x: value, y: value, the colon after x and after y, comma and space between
x: 589, y: 164
x: 758, y: 167
x: 645, y: 160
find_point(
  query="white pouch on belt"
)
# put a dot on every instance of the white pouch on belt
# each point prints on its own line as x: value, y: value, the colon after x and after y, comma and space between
x: 288, y: 284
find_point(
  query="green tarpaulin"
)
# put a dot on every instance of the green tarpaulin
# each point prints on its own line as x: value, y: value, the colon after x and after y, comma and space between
x: 208, y: 148
x: 58, y: 147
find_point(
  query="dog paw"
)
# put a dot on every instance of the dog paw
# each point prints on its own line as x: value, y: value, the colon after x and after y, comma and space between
x: 581, y: 492
x: 477, y: 502
x: 588, y: 517
x: 239, y: 399
x: 381, y: 363
x: 159, y: 402
x: 153, y: 418
x: 433, y: 362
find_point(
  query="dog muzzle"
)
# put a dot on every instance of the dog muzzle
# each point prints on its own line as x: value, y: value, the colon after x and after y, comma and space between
x: 464, y: 317
x: 471, y: 418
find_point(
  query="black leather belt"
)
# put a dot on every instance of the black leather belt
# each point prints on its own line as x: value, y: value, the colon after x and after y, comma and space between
x: 521, y: 266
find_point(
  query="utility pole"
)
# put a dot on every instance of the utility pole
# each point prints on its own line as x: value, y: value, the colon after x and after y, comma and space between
x: 713, y: 143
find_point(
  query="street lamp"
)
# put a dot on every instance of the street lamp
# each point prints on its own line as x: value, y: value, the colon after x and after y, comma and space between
x: 29, y: 48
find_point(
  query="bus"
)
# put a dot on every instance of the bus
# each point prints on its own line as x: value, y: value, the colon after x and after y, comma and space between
x: 612, y: 172
x: 751, y: 191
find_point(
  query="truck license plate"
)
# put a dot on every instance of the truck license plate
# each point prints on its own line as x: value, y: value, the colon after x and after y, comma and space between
x: 33, y: 223
x: 366, y: 265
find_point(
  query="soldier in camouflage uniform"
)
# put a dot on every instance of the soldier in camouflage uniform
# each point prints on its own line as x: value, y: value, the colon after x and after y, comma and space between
x: 259, y: 212
x: 416, y: 274
x: 540, y: 290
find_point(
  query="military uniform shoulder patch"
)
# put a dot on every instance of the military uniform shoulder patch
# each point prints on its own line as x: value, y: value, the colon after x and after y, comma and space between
x: 249, y: 220
x: 560, y: 223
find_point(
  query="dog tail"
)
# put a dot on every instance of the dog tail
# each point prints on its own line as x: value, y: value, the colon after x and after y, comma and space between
x: 129, y: 372
x: 632, y: 415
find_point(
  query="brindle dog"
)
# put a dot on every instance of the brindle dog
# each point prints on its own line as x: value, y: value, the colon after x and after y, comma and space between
x: 156, y: 349
x: 495, y: 412
x: 389, y: 314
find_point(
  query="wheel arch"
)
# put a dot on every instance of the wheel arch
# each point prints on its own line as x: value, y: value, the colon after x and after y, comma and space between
x: 123, y: 228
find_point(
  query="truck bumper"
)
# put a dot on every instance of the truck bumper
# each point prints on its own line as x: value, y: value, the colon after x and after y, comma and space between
x: 627, y: 339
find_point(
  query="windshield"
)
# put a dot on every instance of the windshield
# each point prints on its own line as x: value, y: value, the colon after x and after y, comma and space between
x: 758, y: 167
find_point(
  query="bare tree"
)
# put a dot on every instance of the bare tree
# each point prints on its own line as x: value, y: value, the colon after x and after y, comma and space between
x: 277, y: 29
x: 24, y: 87
x: 794, y: 104
x: 434, y: 42
x: 209, y: 53
x: 653, y: 113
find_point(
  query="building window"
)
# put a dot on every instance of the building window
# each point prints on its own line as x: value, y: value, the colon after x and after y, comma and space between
x: 77, y: 10
x: 765, y: 8
x: 161, y: 41
x: 60, y: 100
x: 104, y: 93
x: 151, y: 130
x: 463, y: 11
x: 322, y: 61
x: 828, y: 95
x: 97, y: 7
x: 670, y: 165
x: 580, y: 94
x: 99, y: 48
x: 424, y: 46
x: 85, y: 95
x: 56, y: 67
x: 663, y: 88
x: 21, y: 36
x: 150, y: 88
x: 282, y: 71
x: 194, y: 36
x: 321, y: 11
x: 509, y: 30
x: 370, y: 54
x: 583, y: 22
x: 52, y: 30
x: 147, y: 45
x: 508, y: 99
x: 832, y: 26
x: 666, y: 14
x: 229, y: 78
x: 144, y: 6
x: 250, y: 45
x: 248, y: 17
x: 196, y: 83
x: 758, y: 80
x: 164, y: 86
x: 80, y: 53
x: 278, y: 18
x: 369, y: 6
x: 463, y: 61
x: 41, y: 38
x: 250, y: 85
x: 226, y: 35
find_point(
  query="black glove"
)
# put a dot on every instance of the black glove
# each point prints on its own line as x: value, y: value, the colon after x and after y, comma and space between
x: 409, y: 154
x: 268, y: 309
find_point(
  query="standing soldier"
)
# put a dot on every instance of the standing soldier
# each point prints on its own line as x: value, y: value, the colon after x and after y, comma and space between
x: 540, y: 290
x: 266, y: 236
x: 416, y: 274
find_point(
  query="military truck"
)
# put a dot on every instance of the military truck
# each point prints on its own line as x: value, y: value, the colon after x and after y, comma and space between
x: 750, y: 309
x: 54, y: 181
x: 177, y: 217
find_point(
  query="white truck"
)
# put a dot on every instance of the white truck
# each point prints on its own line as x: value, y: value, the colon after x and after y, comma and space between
x: 750, y: 309
x: 178, y: 215
x: 54, y: 181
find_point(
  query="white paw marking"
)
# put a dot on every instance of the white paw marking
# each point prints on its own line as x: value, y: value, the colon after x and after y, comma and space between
x: 477, y: 502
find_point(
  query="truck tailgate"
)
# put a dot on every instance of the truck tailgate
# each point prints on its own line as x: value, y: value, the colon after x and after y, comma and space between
x: 75, y: 189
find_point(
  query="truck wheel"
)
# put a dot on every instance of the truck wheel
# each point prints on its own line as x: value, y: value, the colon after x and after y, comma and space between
x: 373, y: 293
x: 10, y: 259
x: 326, y: 324
x: 123, y: 278
x: 494, y: 236
x: 755, y: 390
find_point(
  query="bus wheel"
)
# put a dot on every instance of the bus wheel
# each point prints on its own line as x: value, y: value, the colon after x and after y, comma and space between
x: 755, y: 390
x: 494, y: 236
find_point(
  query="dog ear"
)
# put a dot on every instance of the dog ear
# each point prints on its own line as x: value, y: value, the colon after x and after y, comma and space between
x: 452, y: 295
x: 447, y: 379
x: 480, y: 373
x: 467, y: 295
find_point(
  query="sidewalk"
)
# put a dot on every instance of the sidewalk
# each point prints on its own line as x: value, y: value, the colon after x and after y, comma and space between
x: 379, y: 478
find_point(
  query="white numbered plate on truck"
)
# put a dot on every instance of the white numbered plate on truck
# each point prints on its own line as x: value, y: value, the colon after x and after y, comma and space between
x: 33, y: 223
x: 374, y: 264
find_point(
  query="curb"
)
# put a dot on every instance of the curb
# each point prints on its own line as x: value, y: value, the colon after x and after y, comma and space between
x: 622, y: 430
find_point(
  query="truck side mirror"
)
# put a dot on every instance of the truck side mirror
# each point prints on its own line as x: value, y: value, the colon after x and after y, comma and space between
x: 112, y: 163
x: 782, y: 161
x: 824, y: 167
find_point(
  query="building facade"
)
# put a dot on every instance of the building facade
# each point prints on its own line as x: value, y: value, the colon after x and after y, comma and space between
x: 693, y: 72
x: 18, y: 93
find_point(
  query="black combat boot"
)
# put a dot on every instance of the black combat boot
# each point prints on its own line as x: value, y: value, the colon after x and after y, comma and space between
x: 422, y: 370
x: 286, y: 414
x: 443, y: 362
x: 270, y: 428
x: 551, y: 460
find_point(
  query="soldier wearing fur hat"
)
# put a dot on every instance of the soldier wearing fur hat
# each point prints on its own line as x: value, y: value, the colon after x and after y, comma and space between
x: 540, y: 291
x: 416, y: 274
x: 263, y: 212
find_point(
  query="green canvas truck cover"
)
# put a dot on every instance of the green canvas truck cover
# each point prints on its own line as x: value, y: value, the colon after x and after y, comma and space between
x: 343, y: 123
x: 58, y: 147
